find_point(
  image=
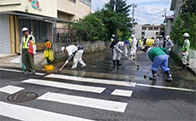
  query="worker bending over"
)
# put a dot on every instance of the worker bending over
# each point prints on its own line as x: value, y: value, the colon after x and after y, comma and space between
x: 118, y: 49
x: 77, y: 52
x: 159, y: 57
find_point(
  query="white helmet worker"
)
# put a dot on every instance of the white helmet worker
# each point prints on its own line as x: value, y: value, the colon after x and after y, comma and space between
x: 186, y: 35
x: 113, y: 35
x: 25, y: 29
x: 168, y: 37
x: 63, y: 49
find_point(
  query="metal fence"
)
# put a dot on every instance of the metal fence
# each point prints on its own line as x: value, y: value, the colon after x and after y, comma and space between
x: 64, y: 34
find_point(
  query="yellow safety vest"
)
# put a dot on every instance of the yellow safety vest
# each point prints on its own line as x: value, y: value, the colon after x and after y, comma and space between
x: 25, y: 41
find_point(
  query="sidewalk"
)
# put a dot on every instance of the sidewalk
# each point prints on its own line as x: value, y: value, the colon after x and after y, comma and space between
x: 13, y: 61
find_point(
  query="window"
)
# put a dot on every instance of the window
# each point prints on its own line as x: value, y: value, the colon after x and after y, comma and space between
x: 150, y: 28
x: 74, y: 1
x: 143, y: 33
x: 156, y: 28
x: 143, y: 28
x: 87, y: 2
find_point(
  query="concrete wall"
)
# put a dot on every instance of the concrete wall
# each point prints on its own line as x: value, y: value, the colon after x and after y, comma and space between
x: 192, y: 56
x: 4, y: 34
x: 89, y: 47
x: 78, y: 9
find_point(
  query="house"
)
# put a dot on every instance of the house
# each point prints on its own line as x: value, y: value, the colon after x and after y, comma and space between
x: 40, y: 16
x: 176, y: 7
x: 147, y: 30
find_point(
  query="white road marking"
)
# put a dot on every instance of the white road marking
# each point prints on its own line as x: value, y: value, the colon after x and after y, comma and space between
x: 31, y: 114
x: 16, y: 60
x: 19, y: 71
x: 164, y: 87
x: 10, y: 89
x: 120, y: 92
x: 40, y: 74
x: 92, y: 80
x: 84, y: 101
x: 11, y: 70
x: 65, y: 85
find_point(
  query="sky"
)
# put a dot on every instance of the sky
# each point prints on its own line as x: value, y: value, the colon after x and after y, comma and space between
x: 147, y: 11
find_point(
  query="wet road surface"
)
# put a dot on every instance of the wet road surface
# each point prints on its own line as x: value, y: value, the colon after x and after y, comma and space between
x: 85, y: 99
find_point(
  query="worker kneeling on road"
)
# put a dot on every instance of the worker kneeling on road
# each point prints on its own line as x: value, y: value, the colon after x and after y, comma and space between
x: 159, y: 57
x: 77, y: 52
x: 118, y: 49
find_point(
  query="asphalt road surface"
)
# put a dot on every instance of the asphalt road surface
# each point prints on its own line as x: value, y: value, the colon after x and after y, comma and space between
x: 70, y: 98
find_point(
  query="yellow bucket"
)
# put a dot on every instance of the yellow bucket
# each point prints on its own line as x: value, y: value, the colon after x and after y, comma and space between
x: 49, y: 68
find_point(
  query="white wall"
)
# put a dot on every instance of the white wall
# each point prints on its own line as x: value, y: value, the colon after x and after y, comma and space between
x: 4, y: 34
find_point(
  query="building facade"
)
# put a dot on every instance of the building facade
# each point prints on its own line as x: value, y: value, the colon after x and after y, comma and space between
x: 40, y: 16
x: 176, y: 7
x: 147, y: 30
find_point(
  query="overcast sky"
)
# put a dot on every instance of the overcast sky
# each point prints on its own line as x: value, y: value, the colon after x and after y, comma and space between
x: 147, y: 11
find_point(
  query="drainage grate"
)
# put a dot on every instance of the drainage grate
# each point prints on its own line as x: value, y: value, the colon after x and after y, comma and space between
x: 22, y: 97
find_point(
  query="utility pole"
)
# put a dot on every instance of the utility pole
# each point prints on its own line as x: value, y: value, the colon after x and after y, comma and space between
x: 115, y: 4
x: 133, y: 16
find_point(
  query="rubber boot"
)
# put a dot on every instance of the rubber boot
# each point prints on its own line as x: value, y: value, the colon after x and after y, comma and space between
x: 154, y: 75
x: 169, y: 77
x: 114, y: 63
x: 118, y: 63
x: 183, y: 68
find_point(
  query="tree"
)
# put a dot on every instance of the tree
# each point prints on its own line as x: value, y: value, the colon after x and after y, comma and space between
x: 186, y: 22
x: 90, y: 28
x: 122, y: 10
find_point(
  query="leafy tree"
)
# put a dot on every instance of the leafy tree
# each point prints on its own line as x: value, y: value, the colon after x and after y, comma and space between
x: 90, y: 28
x: 186, y: 22
x: 122, y: 10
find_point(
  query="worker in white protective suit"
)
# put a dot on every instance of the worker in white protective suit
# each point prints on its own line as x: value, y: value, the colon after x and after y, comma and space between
x: 119, y: 49
x: 133, y: 47
x: 168, y: 43
x: 77, y: 52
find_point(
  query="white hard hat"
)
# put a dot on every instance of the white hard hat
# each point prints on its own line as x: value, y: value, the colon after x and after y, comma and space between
x: 113, y: 35
x: 186, y: 35
x: 132, y: 35
x: 25, y: 29
x: 167, y: 37
x: 62, y: 49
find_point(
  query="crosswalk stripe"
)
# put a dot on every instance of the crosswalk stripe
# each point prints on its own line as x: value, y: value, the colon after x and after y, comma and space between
x: 31, y: 114
x: 85, y: 101
x: 120, y: 92
x: 65, y: 85
x: 11, y: 89
x: 19, y: 71
x: 164, y: 87
x: 92, y: 80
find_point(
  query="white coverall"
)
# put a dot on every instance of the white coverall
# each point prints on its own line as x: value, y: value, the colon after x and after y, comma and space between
x: 73, y: 49
x: 118, y: 50
x: 169, y: 44
x: 133, y: 48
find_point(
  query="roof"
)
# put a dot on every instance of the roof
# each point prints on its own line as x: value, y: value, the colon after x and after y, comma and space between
x: 148, y: 25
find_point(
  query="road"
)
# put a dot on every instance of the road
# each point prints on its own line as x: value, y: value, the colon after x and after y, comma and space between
x: 62, y: 97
